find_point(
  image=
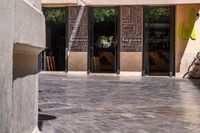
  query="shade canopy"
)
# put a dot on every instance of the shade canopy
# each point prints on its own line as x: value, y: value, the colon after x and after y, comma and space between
x: 118, y: 2
x: 59, y: 2
x: 138, y: 2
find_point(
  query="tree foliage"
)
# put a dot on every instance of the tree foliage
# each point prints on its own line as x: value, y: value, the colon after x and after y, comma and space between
x: 103, y: 14
x: 156, y: 14
x: 54, y: 15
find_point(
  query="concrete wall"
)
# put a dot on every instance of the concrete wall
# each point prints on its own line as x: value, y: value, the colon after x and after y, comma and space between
x: 36, y: 3
x: 186, y: 49
x: 6, y: 49
x: 22, y: 31
x: 77, y: 61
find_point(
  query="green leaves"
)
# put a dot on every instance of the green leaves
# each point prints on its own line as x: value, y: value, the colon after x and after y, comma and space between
x: 103, y: 14
x: 54, y: 15
x: 158, y: 14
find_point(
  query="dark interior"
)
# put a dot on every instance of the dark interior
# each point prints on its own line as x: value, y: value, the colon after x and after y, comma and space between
x: 158, y: 28
x: 103, y: 41
x: 55, y: 38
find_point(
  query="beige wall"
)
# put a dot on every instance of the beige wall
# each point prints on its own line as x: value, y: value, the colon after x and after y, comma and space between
x: 131, y: 61
x: 77, y: 61
x: 186, y: 49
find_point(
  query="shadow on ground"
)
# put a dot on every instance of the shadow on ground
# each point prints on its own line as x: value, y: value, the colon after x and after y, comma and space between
x: 196, y: 82
x: 42, y: 118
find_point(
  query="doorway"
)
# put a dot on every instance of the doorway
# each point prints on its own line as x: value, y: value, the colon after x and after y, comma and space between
x: 104, y: 35
x: 55, y: 38
x: 159, y: 41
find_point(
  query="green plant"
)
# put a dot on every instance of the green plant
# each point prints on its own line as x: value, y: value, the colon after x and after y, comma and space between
x: 54, y: 15
x: 103, y: 14
x: 158, y: 14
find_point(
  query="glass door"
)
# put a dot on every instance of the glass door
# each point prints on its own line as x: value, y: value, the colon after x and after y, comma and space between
x: 158, y: 45
x: 103, y: 39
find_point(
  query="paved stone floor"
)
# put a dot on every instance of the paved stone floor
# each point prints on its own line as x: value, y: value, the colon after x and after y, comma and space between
x: 71, y: 103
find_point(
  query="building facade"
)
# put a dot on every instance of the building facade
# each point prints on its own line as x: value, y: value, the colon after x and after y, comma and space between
x: 152, y: 38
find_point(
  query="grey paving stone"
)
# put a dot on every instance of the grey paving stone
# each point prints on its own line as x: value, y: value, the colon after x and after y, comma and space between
x: 118, y: 104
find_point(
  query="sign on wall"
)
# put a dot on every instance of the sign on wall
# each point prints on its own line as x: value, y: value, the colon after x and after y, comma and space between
x: 131, y: 28
x: 78, y: 38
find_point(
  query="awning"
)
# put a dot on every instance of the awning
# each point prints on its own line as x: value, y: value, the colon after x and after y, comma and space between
x: 139, y: 2
x: 117, y: 2
x: 58, y: 3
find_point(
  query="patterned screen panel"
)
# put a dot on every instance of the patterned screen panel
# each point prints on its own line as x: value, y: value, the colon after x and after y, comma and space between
x: 131, y: 28
x: 78, y: 39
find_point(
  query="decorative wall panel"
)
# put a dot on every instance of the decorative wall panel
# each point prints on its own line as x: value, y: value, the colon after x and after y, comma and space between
x: 131, y: 28
x: 79, y: 41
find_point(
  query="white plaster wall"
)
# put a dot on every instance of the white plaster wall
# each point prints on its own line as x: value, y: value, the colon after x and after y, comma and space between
x: 22, y: 36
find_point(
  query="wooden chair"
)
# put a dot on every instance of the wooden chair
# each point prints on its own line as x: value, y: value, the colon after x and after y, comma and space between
x: 96, y: 63
x: 50, y: 63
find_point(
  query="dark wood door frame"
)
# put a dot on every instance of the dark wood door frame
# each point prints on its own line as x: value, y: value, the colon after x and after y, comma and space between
x: 67, y: 37
x: 145, y: 64
x: 89, y: 62
x: 172, y: 41
x: 118, y: 39
x: 90, y: 40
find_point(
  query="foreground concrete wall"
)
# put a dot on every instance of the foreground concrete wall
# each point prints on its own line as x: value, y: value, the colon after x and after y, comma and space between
x: 36, y: 3
x: 25, y: 88
x: 22, y: 38
x: 186, y: 49
x: 6, y: 48
x: 29, y: 22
